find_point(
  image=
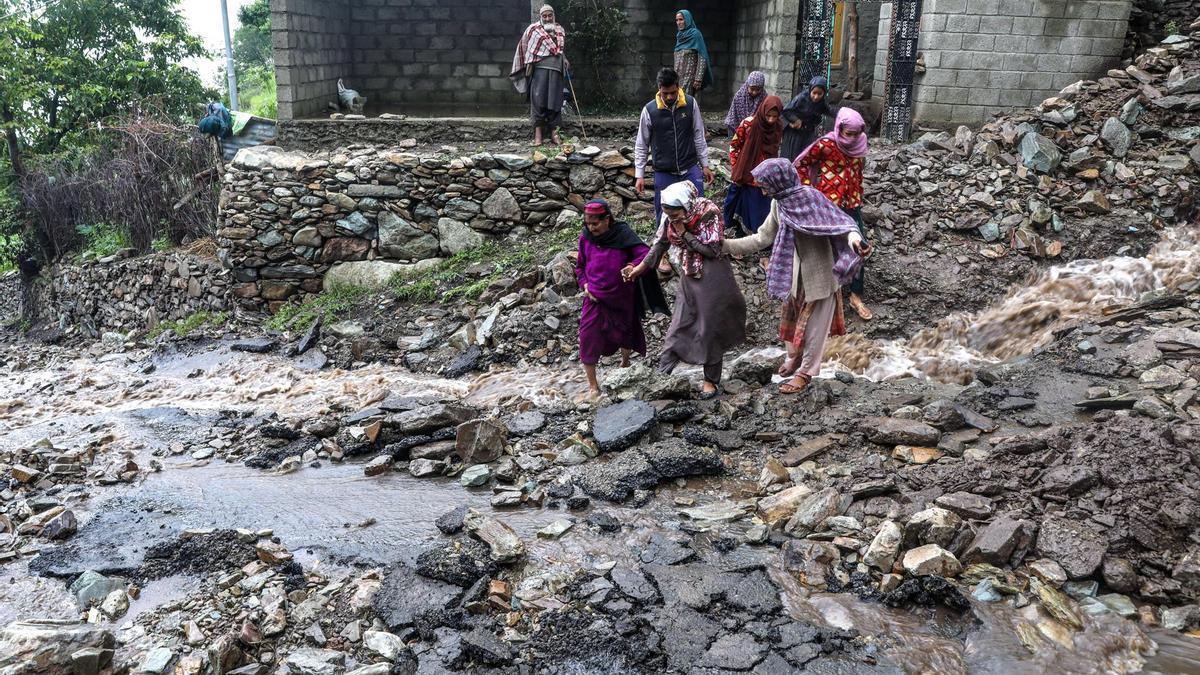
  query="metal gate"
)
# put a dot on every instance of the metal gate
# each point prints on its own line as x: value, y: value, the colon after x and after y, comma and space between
x: 816, y: 41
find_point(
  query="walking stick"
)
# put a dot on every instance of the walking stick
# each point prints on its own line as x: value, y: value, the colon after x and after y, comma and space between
x: 578, y: 111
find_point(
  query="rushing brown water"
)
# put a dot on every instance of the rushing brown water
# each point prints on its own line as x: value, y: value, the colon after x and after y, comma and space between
x: 1026, y: 319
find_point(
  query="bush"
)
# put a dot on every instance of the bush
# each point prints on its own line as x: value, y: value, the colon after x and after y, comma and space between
x: 103, y: 239
x: 597, y: 32
x: 144, y: 178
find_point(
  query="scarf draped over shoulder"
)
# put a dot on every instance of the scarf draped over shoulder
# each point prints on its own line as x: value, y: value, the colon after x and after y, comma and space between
x: 537, y: 43
x: 803, y: 210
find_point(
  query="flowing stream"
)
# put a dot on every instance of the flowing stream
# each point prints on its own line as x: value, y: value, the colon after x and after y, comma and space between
x: 335, y: 513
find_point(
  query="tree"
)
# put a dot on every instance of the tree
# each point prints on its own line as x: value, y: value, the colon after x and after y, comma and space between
x: 252, y: 39
x: 65, y: 65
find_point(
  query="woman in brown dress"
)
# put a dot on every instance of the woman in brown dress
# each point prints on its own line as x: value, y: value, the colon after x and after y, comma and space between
x: 710, y: 312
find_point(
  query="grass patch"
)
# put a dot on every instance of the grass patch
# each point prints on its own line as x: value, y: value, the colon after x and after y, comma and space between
x: 161, y: 243
x: 103, y: 239
x: 189, y: 324
x: 328, y: 306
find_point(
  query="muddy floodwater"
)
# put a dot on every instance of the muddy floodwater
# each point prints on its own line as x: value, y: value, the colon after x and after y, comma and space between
x: 144, y: 405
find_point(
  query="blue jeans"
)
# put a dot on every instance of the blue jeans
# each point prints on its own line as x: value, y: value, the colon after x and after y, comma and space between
x: 662, y: 179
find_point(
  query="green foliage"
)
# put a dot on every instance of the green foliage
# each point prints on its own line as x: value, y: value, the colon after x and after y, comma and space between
x: 598, y: 31
x: 1172, y: 28
x: 252, y: 39
x: 189, y: 324
x: 256, y: 91
x: 73, y: 63
x: 161, y: 243
x: 10, y: 229
x: 328, y: 306
x: 102, y: 239
x: 19, y: 324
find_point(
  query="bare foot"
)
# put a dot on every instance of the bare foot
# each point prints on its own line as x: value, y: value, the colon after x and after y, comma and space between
x: 624, y: 363
x: 789, y: 366
x: 556, y: 138
x: 861, y: 308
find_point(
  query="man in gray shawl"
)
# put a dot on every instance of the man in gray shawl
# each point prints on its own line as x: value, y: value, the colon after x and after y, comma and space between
x: 537, y: 70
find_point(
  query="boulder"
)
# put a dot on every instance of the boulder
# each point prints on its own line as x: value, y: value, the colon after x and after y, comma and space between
x: 34, y: 647
x: 1004, y: 541
x: 586, y: 179
x: 480, y: 441
x: 399, y: 238
x: 813, y: 511
x: 455, y: 236
x: 783, y: 504
x: 501, y: 205
x: 967, y: 505
x: 810, y: 562
x: 307, y: 661
x: 1117, y: 136
x: 620, y: 426
x: 1039, y: 153
x: 882, y: 552
x: 372, y: 274
x: 505, y: 544
x: 429, y: 418
x: 934, y: 525
x: 893, y: 431
x: 1078, y: 547
x: 931, y: 559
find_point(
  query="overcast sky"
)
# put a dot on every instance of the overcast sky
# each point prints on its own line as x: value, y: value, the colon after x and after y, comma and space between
x: 204, y: 17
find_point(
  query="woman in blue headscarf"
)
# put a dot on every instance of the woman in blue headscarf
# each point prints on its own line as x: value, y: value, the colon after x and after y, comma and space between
x: 691, y: 55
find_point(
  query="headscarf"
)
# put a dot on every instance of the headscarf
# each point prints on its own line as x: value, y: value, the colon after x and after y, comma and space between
x: 691, y: 38
x: 762, y: 140
x: 702, y: 220
x: 536, y: 43
x: 648, y: 295
x: 805, y: 210
x: 743, y: 104
x: 853, y: 148
x: 619, y: 234
x: 803, y: 107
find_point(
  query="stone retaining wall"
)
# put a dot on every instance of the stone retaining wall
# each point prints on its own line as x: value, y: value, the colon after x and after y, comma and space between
x: 287, y: 218
x: 123, y: 294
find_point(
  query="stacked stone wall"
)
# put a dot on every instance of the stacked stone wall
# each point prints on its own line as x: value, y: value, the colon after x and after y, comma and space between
x: 123, y: 294
x: 288, y: 218
x: 311, y: 40
x: 986, y: 56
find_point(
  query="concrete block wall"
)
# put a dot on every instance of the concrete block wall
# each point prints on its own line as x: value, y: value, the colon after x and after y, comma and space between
x: 651, y: 34
x: 311, y: 40
x: 986, y: 56
x: 413, y: 53
x: 445, y: 56
x: 766, y: 41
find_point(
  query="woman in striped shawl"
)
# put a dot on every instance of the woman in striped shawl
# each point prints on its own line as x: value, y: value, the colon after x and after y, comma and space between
x: 817, y: 248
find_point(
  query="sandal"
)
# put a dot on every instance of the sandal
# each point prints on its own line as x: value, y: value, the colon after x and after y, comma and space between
x: 709, y: 395
x: 788, y: 367
x: 861, y: 308
x: 797, y: 384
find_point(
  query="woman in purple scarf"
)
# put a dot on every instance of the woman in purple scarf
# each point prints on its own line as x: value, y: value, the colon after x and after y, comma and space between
x: 817, y: 248
x: 613, y: 308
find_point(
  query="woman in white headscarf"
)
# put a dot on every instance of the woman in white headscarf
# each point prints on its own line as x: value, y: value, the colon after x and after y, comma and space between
x: 537, y: 70
x: 710, y: 312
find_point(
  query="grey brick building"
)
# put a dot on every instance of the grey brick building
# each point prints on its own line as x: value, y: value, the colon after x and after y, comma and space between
x: 451, y: 57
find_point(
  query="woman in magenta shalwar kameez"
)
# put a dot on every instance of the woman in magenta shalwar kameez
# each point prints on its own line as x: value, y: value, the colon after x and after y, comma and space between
x: 613, y: 309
